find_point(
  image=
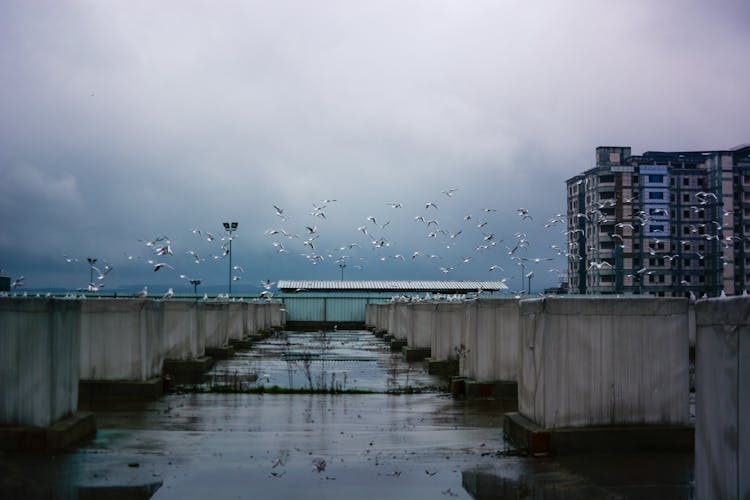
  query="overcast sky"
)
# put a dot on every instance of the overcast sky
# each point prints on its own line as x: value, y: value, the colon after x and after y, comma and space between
x: 129, y: 120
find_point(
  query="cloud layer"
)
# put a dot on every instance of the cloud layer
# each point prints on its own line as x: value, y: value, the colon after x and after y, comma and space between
x: 131, y: 120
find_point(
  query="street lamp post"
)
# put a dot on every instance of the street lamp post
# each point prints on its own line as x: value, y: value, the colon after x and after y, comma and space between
x: 91, y: 261
x: 531, y: 273
x: 195, y: 284
x: 342, y: 266
x: 230, y: 227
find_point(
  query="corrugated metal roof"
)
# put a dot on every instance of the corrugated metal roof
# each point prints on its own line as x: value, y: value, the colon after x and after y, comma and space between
x: 392, y: 286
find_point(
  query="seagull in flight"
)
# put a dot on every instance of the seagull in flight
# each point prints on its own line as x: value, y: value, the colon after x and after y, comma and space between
x: 159, y: 265
x: 449, y: 192
x: 430, y: 204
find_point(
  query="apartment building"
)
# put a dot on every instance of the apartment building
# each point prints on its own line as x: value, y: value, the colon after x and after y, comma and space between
x: 662, y: 223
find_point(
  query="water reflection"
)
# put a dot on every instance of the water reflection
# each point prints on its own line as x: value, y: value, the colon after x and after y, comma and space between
x: 327, y: 361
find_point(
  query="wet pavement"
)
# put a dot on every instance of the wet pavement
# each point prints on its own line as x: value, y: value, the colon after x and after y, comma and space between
x: 343, y: 360
x: 326, y: 446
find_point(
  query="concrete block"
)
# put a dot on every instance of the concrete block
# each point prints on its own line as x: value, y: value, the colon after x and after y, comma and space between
x: 62, y: 435
x: 527, y: 435
x: 220, y: 352
x: 448, y: 335
x: 398, y: 344
x: 491, y: 340
x: 121, y: 339
x: 92, y: 393
x: 442, y: 367
x: 604, y: 361
x: 187, y: 371
x: 722, y: 398
x: 39, y: 360
x: 412, y: 354
x: 423, y: 321
x: 501, y: 390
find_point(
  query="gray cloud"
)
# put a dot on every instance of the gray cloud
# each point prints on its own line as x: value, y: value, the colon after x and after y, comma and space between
x: 129, y: 120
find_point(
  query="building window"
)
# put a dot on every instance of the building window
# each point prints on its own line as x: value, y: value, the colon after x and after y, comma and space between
x: 700, y: 181
x: 606, y: 195
x: 656, y: 178
x: 686, y: 181
x: 661, y: 278
x: 656, y: 228
x: 686, y: 214
x: 655, y: 195
x: 606, y: 178
x: 686, y: 197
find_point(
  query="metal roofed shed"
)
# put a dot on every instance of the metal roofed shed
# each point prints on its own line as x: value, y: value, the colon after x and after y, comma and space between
x: 397, y: 286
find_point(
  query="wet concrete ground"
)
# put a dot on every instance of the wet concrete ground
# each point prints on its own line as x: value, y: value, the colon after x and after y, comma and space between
x: 321, y: 446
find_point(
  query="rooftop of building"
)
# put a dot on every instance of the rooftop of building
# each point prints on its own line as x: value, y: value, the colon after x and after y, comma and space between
x: 390, y: 286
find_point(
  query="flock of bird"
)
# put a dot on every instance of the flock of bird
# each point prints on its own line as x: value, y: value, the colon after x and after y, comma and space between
x: 431, y: 235
x: 434, y: 237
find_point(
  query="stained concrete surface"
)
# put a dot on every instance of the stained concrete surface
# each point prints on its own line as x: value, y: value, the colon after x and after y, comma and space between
x: 426, y: 445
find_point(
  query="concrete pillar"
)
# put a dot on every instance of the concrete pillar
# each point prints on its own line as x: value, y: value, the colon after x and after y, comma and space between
x: 39, y: 360
x: 277, y: 318
x: 448, y: 335
x: 251, y: 322
x: 604, y: 361
x: 391, y: 318
x: 492, y: 340
x: 235, y: 324
x: 180, y: 330
x: 722, y: 399
x: 370, y: 315
x: 121, y: 339
x: 213, y: 322
x: 423, y: 319
x: 402, y: 321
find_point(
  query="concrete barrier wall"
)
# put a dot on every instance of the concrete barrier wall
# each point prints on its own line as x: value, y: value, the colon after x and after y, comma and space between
x: 424, y: 317
x: 391, y: 318
x: 604, y: 361
x: 235, y: 320
x: 402, y: 318
x: 370, y: 315
x: 264, y: 317
x: 722, y: 413
x: 492, y: 339
x: 277, y: 315
x: 448, y: 335
x: 251, y: 320
x: 383, y: 313
x: 213, y: 322
x: 180, y: 333
x: 121, y: 339
x: 39, y: 360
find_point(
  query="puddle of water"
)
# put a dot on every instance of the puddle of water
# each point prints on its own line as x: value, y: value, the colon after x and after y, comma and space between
x: 340, y: 360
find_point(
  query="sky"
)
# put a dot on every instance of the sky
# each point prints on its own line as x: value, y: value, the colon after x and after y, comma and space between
x: 127, y: 125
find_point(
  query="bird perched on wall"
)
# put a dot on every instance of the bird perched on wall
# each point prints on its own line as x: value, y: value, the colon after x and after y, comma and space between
x: 143, y: 293
x: 168, y: 295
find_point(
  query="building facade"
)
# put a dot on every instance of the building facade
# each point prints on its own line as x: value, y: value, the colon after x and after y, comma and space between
x: 662, y: 223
